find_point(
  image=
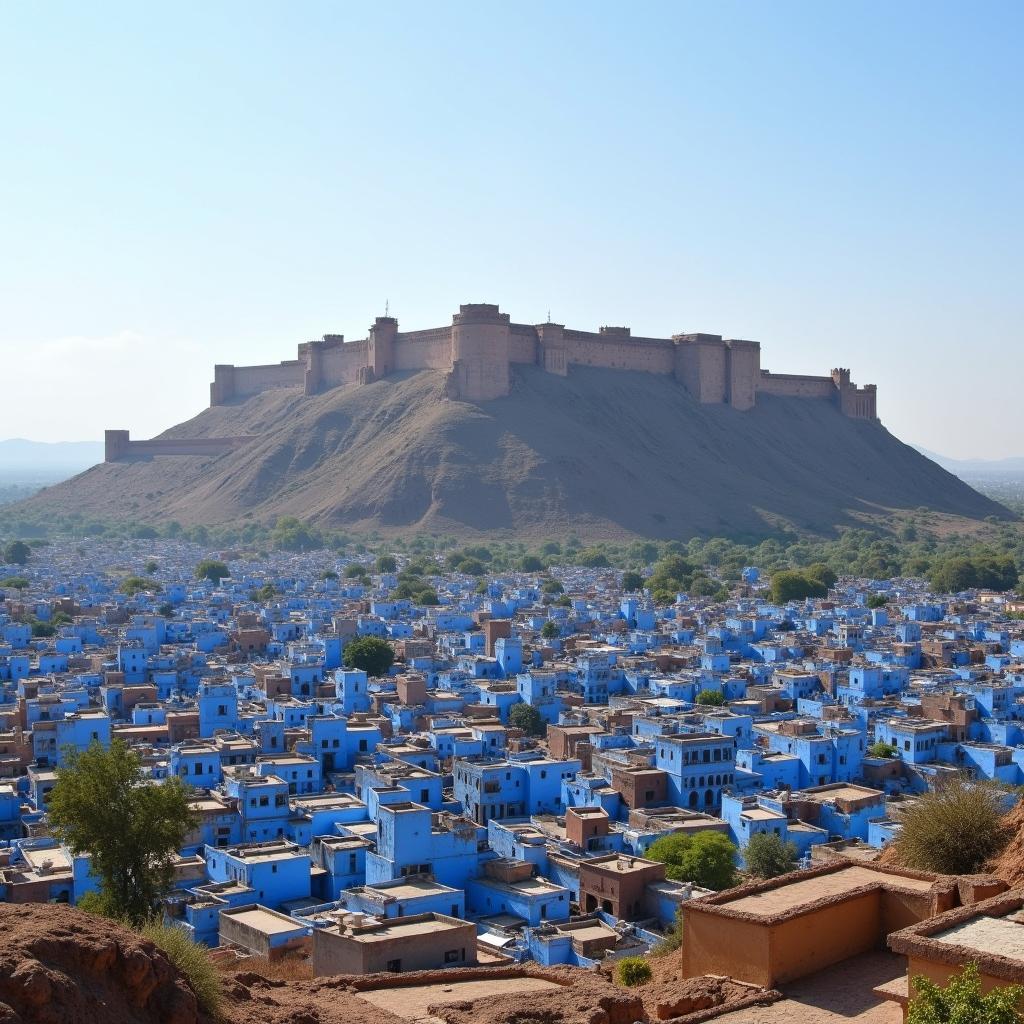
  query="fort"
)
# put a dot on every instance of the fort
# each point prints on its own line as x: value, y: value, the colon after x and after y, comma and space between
x: 477, y: 351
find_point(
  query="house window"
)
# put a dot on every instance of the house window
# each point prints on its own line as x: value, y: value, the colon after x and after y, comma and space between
x: 451, y: 956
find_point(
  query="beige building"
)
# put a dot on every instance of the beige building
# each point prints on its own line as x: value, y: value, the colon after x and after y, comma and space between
x: 420, y: 942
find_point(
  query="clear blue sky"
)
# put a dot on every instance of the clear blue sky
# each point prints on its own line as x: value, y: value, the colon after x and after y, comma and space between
x: 184, y: 184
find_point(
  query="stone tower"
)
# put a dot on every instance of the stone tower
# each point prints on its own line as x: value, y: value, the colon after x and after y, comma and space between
x: 480, y: 352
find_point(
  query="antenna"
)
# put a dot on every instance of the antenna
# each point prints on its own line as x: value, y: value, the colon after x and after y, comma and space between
x: 387, y: 306
x: 549, y: 316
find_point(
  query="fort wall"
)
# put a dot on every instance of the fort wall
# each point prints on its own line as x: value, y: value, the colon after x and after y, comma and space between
x: 118, y: 446
x: 479, y: 347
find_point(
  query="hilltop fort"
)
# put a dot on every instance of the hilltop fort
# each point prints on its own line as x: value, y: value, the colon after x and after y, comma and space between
x: 478, y: 350
x: 529, y: 429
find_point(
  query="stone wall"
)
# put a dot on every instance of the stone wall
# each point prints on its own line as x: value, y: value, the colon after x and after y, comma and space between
x: 477, y: 351
x: 118, y: 446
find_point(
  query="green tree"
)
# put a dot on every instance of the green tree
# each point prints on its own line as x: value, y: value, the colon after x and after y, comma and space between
x: 551, y: 586
x: 882, y: 749
x: 386, y: 563
x: 960, y: 1001
x: 151, y: 566
x: 103, y: 805
x: 43, y: 629
x: 952, y: 829
x: 822, y: 573
x: 211, y: 569
x: 17, y: 553
x: 132, y: 585
x: 767, y: 856
x: 289, y: 534
x: 876, y: 601
x: 632, y: 581
x: 711, y: 698
x: 265, y: 593
x: 593, y: 558
x: 370, y: 653
x: 707, y: 859
x: 791, y: 585
x: 526, y: 717
x: 18, y: 583
x: 550, y: 630
x: 531, y: 563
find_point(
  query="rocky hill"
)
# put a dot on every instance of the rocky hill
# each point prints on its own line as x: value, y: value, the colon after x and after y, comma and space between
x: 600, y: 453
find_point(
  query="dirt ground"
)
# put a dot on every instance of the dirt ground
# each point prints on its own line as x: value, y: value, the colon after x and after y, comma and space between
x: 413, y: 1002
x: 839, y: 995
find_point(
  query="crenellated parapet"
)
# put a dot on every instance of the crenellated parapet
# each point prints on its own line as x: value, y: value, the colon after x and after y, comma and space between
x: 480, y: 346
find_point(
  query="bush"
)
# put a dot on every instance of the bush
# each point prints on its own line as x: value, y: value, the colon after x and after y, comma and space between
x: 952, y: 829
x: 961, y: 1000
x: 876, y: 601
x: 632, y: 581
x: 707, y: 859
x: 632, y: 970
x: 767, y: 856
x: 386, y: 563
x: 192, y: 959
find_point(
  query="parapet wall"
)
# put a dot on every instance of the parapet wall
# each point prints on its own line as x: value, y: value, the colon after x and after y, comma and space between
x: 479, y: 347
x: 118, y: 446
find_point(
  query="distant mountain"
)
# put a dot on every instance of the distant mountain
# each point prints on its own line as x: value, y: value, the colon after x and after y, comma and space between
x: 599, y: 453
x: 31, y: 461
x: 1012, y: 466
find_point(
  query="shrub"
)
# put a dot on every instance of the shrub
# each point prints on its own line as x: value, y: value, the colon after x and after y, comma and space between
x: 632, y: 581
x: 952, y: 829
x: 796, y: 586
x: 632, y: 970
x: 876, y: 601
x: 961, y: 1000
x: 192, y: 960
x: 767, y: 856
x: 211, y: 569
x: 550, y: 630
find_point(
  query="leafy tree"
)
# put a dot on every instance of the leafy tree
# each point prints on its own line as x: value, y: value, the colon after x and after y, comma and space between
x: 632, y: 970
x: 707, y: 859
x: 952, y: 829
x: 552, y: 586
x: 289, y: 534
x: 531, y: 563
x: 265, y: 593
x: 370, y: 653
x: 151, y: 566
x: 593, y: 558
x: 632, y: 581
x: 882, y: 749
x: 43, y: 629
x: 166, y: 610
x: 672, y: 574
x: 327, y: 574
x: 386, y: 563
x: 550, y: 630
x: 17, y: 553
x: 984, y: 569
x: 132, y: 585
x: 526, y: 717
x: 767, y: 855
x: 795, y: 586
x: 211, y: 569
x: 961, y: 1001
x: 103, y: 805
x: 18, y: 583
x: 876, y: 601
x: 354, y: 569
x: 711, y: 698
x: 822, y: 573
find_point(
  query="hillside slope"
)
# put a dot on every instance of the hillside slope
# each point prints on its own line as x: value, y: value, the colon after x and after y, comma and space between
x: 601, y: 453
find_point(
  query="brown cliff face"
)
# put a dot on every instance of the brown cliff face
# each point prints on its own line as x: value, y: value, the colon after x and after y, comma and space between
x: 601, y: 453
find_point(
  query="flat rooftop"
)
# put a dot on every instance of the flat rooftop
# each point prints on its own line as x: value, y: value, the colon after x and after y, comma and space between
x: 1002, y: 936
x: 265, y: 921
x: 810, y: 890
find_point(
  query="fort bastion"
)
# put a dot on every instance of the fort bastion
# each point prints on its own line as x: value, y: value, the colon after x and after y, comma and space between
x: 480, y: 346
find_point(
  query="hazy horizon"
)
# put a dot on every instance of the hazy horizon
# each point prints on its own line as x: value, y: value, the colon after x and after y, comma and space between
x: 203, y: 185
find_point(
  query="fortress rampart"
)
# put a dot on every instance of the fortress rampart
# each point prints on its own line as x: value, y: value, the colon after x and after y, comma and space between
x: 481, y: 344
x: 477, y: 351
